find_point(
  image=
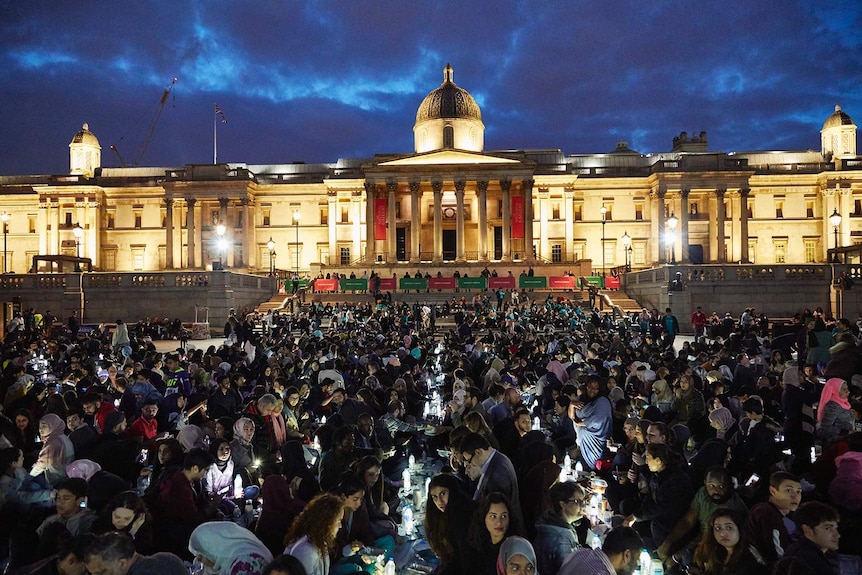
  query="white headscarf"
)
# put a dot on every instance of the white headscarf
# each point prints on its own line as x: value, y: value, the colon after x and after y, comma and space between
x: 226, y: 543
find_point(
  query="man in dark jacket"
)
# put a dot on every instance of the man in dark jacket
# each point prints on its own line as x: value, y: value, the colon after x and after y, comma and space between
x: 816, y: 548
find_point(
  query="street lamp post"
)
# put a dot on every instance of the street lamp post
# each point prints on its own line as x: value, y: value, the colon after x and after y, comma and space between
x: 78, y: 232
x: 271, y: 245
x: 835, y: 220
x: 221, y: 244
x: 296, y: 255
x: 671, y: 223
x: 627, y: 248
x: 5, y: 217
x: 604, y: 212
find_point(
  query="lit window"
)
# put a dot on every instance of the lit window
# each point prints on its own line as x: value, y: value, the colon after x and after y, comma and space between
x: 557, y: 253
x: 780, y: 249
x: 810, y: 251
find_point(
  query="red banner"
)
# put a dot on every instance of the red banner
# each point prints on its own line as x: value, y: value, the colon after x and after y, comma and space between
x: 561, y: 282
x: 380, y: 219
x: 517, y: 217
x: 387, y: 284
x: 507, y: 282
x: 325, y: 285
x: 442, y: 283
x: 612, y: 283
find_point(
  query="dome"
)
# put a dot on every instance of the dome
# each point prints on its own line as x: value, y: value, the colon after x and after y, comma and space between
x: 838, y: 118
x: 448, y: 101
x: 85, y: 136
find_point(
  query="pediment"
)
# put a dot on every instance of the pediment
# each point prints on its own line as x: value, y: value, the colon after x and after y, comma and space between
x: 448, y: 157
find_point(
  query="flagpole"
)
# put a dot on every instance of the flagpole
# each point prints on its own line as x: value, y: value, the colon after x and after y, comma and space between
x: 215, y: 137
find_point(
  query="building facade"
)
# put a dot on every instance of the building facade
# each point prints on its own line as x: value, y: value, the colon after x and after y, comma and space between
x: 448, y: 201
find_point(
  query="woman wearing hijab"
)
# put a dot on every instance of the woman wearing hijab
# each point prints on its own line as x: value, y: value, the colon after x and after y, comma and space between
x: 516, y: 556
x: 833, y: 413
x: 225, y: 548
x: 242, y: 450
x: 713, y: 451
x: 191, y: 437
x: 277, y: 515
x: 57, y: 451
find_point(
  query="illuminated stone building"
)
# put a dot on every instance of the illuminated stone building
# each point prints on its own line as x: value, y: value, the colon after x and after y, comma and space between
x: 448, y: 201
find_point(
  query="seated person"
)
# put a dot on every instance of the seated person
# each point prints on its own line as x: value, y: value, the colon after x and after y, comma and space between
x: 818, y: 524
x: 561, y: 529
x: 71, y: 508
x: 334, y: 462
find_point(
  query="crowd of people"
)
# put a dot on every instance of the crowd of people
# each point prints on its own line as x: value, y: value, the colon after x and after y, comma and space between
x: 283, y: 450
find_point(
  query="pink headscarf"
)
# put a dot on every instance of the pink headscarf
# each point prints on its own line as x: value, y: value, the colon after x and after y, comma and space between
x: 830, y: 393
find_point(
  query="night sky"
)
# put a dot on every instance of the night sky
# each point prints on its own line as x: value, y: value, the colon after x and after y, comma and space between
x: 317, y: 81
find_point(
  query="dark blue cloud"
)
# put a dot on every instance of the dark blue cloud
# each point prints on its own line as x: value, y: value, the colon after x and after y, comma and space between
x: 316, y: 81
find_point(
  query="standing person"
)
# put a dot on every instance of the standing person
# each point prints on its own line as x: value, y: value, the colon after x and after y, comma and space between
x: 767, y: 521
x: 74, y: 324
x: 120, y: 339
x: 593, y: 421
x: 225, y: 548
x: 670, y: 326
x: 698, y: 323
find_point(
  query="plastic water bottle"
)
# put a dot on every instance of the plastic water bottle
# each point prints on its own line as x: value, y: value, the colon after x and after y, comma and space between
x: 567, y: 463
x: 411, y: 461
x: 595, y: 541
x: 657, y: 568
x: 407, y: 519
x: 390, y: 567
x: 645, y: 562
x: 405, y: 480
x: 237, y: 486
x: 579, y: 469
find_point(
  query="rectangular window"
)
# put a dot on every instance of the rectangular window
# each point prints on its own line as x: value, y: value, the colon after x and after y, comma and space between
x: 323, y: 254
x: 499, y: 208
x: 693, y: 210
x: 138, y: 259
x: 639, y: 212
x: 609, y: 211
x: 110, y: 224
x: 579, y: 211
x: 779, y: 209
x: 578, y: 251
x: 345, y: 214
x: 31, y: 224
x: 397, y: 210
x: 109, y: 260
x: 138, y: 217
x: 266, y: 213
x: 324, y: 214
x: 345, y: 256
x: 749, y: 208
x: 857, y: 208
x: 639, y: 254
x: 557, y: 253
x: 68, y: 218
x: 810, y: 251
x: 610, y: 253
x: 780, y: 250
x: 555, y: 210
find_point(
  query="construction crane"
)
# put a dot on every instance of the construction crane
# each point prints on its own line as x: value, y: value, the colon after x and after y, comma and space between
x: 148, y: 135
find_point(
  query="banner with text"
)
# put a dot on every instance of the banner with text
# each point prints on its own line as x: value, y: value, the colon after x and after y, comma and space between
x: 380, y: 219
x: 325, y: 285
x: 387, y: 284
x: 442, y: 283
x: 353, y: 284
x: 412, y: 283
x: 532, y: 282
x: 517, y: 217
x: 471, y: 283
x: 507, y: 282
x: 561, y: 282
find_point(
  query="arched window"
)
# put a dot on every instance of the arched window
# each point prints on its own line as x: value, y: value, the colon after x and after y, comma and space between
x: 448, y: 137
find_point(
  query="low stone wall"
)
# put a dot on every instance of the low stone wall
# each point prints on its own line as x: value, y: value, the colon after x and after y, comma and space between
x: 105, y: 297
x: 776, y: 290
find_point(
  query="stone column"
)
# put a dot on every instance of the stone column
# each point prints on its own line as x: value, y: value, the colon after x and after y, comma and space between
x: 505, y: 185
x: 190, y: 224
x: 370, y: 193
x: 845, y: 210
x: 228, y: 232
x: 743, y: 225
x: 437, y: 187
x: 42, y: 227
x: 169, y: 233
x: 54, y: 246
x: 356, y: 218
x: 460, y: 254
x: 527, y: 191
x: 249, y: 246
x: 683, y: 225
x: 719, y: 218
x: 569, y: 215
x: 415, y: 220
x: 332, y: 206
x: 663, y: 245
x: 482, y: 198
x: 826, y: 234
x: 544, y: 245
x: 390, y: 218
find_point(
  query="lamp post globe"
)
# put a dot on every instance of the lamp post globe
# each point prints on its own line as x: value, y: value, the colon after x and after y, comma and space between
x: 78, y: 232
x: 671, y: 239
x: 835, y: 220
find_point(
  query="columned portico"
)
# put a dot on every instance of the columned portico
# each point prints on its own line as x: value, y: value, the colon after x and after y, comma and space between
x: 743, y: 226
x: 370, y: 240
x: 391, y: 187
x: 527, y: 191
x: 415, y: 220
x: 169, y: 233
x: 720, y: 219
